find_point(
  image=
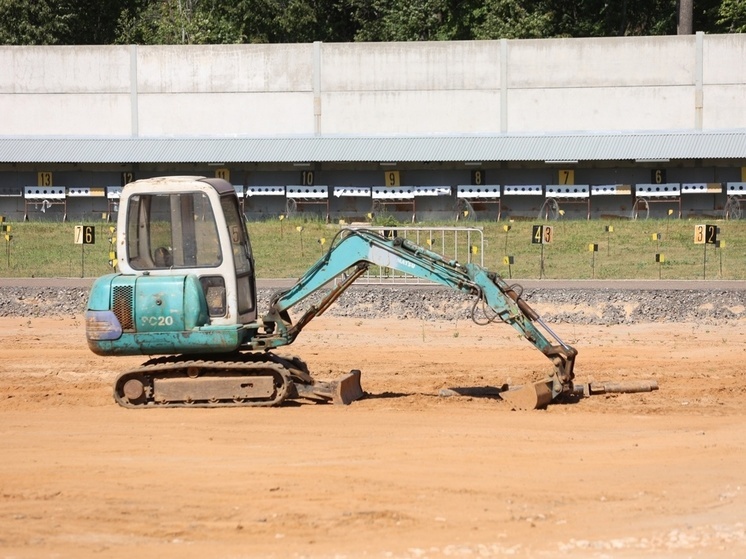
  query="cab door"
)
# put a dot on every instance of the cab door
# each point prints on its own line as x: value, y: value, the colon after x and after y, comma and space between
x: 243, y: 259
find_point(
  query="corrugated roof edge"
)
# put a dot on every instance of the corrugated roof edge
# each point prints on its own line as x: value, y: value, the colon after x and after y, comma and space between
x: 550, y: 146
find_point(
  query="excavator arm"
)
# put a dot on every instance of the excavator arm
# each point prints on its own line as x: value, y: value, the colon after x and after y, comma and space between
x: 351, y: 253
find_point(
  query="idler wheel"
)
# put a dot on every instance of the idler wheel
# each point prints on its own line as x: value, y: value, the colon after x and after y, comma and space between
x: 134, y: 390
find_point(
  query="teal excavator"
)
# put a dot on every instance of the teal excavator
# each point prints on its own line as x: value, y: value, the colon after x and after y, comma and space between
x: 185, y: 296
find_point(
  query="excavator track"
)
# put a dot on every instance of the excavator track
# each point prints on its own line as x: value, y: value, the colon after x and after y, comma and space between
x: 243, y: 380
x: 182, y: 381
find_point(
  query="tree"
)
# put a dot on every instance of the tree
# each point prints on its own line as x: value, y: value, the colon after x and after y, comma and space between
x: 291, y: 21
x: 176, y: 22
x: 61, y: 22
x: 732, y: 16
x: 502, y: 19
x: 685, y: 20
x: 44, y: 22
x: 80, y: 22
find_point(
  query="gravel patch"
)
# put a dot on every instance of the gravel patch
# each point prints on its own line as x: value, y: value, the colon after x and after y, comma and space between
x: 575, y: 306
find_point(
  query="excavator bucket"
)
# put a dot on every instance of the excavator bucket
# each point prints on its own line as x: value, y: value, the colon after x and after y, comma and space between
x: 529, y: 397
x: 344, y: 390
x: 347, y: 389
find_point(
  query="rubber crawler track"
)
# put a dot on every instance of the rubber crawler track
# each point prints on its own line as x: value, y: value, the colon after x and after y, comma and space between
x: 284, y: 370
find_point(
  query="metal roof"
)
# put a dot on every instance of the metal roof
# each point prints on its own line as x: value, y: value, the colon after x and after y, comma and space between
x: 559, y: 147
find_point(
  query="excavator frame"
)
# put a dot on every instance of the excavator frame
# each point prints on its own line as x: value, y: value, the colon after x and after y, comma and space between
x: 194, y: 303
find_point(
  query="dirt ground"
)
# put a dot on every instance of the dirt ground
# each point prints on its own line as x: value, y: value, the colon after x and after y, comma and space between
x: 403, y: 473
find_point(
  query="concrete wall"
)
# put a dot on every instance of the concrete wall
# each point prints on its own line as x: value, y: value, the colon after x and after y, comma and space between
x: 634, y: 83
x: 65, y: 90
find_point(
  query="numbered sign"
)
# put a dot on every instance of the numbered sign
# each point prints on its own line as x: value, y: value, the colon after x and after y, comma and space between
x: 478, y: 177
x: 705, y: 234
x: 548, y: 234
x: 126, y: 178
x: 85, y: 235
x: 307, y: 178
x: 223, y: 173
x: 711, y: 234
x: 44, y: 178
x: 658, y: 176
x: 566, y: 176
x: 542, y: 234
x: 699, y: 234
x: 391, y: 178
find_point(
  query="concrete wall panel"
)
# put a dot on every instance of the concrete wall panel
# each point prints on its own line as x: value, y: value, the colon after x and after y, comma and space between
x: 722, y: 103
x: 226, y: 114
x: 371, y: 88
x: 76, y: 115
x: 68, y: 70
x: 458, y: 65
x: 648, y: 108
x: 724, y: 59
x: 632, y: 61
x: 409, y: 112
x: 225, y: 68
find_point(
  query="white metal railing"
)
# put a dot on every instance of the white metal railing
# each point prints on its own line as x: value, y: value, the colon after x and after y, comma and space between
x: 463, y: 244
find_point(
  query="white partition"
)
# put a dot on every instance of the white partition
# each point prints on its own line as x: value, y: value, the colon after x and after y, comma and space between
x: 44, y: 192
x: 352, y: 191
x: 265, y: 191
x: 307, y: 192
x: 611, y: 189
x: 568, y: 191
x: 665, y: 190
x: 393, y: 192
x: 523, y: 190
x: 473, y: 192
x: 432, y: 190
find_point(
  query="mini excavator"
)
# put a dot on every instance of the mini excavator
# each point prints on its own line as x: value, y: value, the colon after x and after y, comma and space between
x: 185, y: 296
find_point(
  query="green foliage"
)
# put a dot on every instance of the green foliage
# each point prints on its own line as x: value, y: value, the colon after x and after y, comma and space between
x: 43, y: 22
x: 402, y: 20
x: 70, y: 22
x: 732, y: 16
x: 505, y: 19
x: 169, y: 22
x: 61, y: 22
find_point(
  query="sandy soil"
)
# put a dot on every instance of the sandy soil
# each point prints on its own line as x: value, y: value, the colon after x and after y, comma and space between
x: 404, y: 472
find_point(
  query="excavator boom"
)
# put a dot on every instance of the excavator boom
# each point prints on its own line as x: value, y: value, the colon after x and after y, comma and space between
x: 353, y: 250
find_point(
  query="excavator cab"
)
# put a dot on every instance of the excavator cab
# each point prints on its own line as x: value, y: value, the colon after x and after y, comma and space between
x: 186, y: 267
x: 173, y: 229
